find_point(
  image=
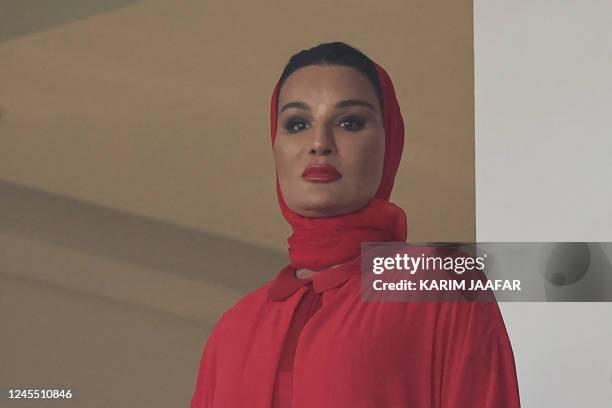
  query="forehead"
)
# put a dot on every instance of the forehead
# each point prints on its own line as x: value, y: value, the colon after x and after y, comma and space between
x: 317, y: 83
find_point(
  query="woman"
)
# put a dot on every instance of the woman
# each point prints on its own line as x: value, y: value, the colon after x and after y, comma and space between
x: 305, y: 339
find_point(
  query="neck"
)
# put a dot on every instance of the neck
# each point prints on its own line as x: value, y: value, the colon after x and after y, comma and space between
x: 307, y: 273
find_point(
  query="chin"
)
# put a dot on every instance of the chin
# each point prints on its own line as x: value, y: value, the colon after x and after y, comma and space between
x: 325, y: 208
x: 317, y: 205
x: 324, y: 200
x: 319, y: 210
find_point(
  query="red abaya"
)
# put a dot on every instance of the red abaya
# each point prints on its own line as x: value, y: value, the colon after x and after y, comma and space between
x: 312, y: 343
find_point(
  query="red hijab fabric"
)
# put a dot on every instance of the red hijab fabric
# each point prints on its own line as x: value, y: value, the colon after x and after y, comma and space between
x: 318, y: 243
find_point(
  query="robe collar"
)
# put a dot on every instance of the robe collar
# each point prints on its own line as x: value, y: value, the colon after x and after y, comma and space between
x: 286, y: 283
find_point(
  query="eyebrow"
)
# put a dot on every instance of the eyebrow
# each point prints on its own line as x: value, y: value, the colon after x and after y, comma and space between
x: 298, y: 105
x: 342, y: 104
x: 355, y: 102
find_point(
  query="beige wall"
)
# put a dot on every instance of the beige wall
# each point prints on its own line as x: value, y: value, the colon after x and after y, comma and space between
x: 160, y: 108
x: 136, y: 177
x: 113, y: 305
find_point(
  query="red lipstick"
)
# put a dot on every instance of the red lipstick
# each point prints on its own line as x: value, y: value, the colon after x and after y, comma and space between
x: 320, y: 173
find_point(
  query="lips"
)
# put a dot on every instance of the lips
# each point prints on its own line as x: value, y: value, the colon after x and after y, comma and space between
x: 320, y: 173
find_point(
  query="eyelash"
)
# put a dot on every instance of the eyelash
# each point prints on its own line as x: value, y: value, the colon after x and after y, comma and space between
x: 292, y: 122
x: 355, y: 120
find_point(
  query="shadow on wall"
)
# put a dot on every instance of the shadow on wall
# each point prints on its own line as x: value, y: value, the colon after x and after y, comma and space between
x: 90, y: 248
x: 114, y: 306
x: 22, y: 17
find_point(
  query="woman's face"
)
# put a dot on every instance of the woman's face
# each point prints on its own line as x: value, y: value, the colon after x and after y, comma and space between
x: 330, y: 141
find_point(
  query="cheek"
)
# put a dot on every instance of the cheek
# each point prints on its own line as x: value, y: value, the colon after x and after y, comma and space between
x: 366, y: 161
x: 281, y: 158
x: 286, y: 163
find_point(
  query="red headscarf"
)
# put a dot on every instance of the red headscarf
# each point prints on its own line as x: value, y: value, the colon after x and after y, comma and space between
x: 318, y: 243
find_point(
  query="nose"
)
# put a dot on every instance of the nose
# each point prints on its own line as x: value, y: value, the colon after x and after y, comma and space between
x: 323, y: 142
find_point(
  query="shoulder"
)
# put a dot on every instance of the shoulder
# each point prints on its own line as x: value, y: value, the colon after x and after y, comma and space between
x: 245, y: 309
x: 472, y: 319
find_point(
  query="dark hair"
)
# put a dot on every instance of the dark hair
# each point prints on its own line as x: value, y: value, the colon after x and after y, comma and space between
x: 333, y: 53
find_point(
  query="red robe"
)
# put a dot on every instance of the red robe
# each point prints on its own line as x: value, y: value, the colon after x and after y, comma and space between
x: 354, y: 354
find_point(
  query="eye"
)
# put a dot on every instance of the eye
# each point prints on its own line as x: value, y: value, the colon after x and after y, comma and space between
x: 294, y: 125
x: 352, y: 123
